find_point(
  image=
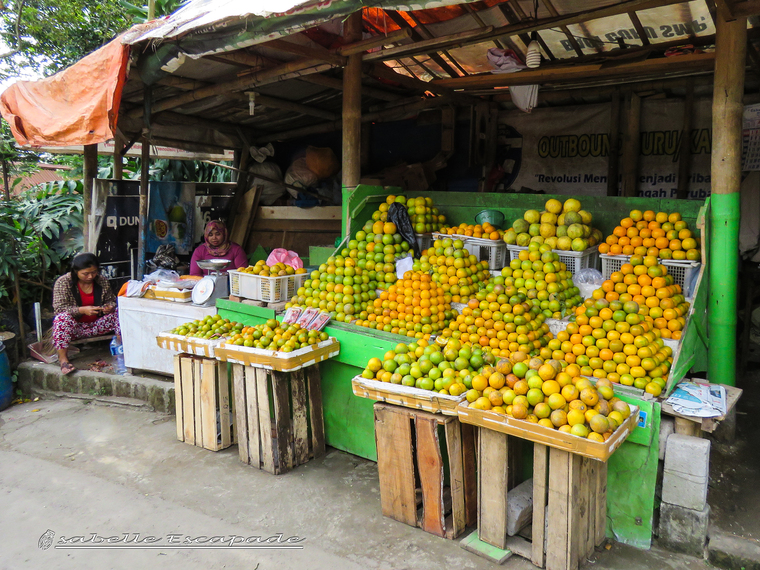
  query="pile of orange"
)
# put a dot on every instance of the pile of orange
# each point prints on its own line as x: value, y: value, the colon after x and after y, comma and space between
x: 549, y: 394
x: 505, y: 327
x: 647, y: 283
x: 659, y: 234
x: 610, y: 339
x: 453, y: 267
x: 486, y: 231
x: 414, y: 306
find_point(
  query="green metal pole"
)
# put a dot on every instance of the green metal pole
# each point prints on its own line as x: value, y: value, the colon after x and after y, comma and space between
x: 728, y: 92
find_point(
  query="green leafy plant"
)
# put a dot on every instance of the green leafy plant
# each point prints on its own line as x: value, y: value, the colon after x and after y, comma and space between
x: 139, y: 14
x: 35, y: 223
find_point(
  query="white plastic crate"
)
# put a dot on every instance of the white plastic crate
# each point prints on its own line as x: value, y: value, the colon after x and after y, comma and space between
x: 575, y: 260
x: 612, y: 263
x: 493, y: 251
x: 266, y: 289
x: 684, y: 272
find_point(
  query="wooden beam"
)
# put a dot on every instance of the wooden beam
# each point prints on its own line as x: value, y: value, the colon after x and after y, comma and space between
x: 567, y: 74
x: 631, y: 145
x: 742, y: 9
x: 377, y: 41
x: 352, y: 106
x: 281, y: 72
x: 381, y: 71
x: 684, y: 151
x: 337, y: 84
x: 391, y: 53
x: 565, y: 30
x: 311, y: 51
x: 417, y: 36
x: 243, y: 58
x: 613, y: 160
x: 639, y: 28
x: 286, y: 105
x: 526, y: 27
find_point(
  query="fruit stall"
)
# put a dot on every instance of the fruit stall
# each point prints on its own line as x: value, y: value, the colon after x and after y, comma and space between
x: 349, y: 421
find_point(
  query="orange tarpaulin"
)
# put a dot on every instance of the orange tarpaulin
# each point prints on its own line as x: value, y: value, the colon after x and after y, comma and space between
x: 78, y: 105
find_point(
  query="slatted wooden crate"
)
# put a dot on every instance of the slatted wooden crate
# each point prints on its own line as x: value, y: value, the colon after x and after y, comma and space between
x: 279, y: 421
x: 202, y: 402
x: 411, y: 468
x: 569, y: 503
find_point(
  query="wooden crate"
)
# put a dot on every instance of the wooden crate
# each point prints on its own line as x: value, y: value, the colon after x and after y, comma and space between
x: 279, y: 421
x: 407, y: 396
x: 411, y: 469
x: 569, y: 503
x: 202, y: 400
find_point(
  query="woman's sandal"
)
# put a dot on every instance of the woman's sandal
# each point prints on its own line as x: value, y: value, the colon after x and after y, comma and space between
x: 67, y: 368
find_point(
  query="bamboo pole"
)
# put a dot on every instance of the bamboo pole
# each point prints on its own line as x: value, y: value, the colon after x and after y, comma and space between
x: 684, y: 153
x: 725, y: 204
x: 90, y: 168
x: 631, y: 144
x: 613, y: 160
x: 352, y: 105
x: 144, y: 186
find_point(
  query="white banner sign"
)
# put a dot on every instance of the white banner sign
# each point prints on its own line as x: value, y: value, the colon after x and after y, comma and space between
x: 565, y: 150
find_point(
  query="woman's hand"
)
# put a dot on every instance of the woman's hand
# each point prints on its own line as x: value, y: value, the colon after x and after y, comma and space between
x: 108, y: 309
x: 90, y: 311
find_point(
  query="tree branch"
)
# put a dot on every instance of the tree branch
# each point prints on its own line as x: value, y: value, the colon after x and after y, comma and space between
x: 18, y: 32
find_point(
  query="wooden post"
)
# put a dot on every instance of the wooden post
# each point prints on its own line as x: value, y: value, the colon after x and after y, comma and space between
x: 726, y: 169
x: 118, y: 160
x: 89, y: 174
x: 684, y: 153
x: 144, y: 183
x: 613, y: 160
x: 352, y: 105
x: 631, y: 144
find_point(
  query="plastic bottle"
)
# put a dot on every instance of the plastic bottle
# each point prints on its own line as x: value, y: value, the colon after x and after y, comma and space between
x: 117, y: 351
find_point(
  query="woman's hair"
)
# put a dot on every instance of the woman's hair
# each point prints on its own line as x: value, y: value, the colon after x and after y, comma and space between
x: 83, y: 261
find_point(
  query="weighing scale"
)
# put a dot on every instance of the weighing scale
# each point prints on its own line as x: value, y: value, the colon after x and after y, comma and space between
x: 214, y: 286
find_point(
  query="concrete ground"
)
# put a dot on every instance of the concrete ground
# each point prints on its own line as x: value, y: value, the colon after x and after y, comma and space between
x: 76, y: 467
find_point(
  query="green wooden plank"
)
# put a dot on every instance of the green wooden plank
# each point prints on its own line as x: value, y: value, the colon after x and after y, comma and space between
x: 631, y: 481
x: 643, y: 433
x: 318, y: 254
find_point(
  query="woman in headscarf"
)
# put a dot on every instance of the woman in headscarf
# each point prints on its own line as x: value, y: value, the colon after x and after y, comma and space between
x: 217, y: 245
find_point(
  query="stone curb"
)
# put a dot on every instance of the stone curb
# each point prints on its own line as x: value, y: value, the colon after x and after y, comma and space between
x: 729, y: 551
x: 34, y: 375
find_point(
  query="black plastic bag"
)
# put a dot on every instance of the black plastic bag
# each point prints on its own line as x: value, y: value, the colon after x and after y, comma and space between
x: 397, y: 214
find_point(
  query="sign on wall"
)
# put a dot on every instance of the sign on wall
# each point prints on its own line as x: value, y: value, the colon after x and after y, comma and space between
x: 566, y: 150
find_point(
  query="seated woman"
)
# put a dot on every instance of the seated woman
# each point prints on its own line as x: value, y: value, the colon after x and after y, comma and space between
x: 217, y: 245
x: 84, y: 306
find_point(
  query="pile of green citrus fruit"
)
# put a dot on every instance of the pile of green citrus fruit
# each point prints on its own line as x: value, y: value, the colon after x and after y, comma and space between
x: 453, y: 268
x: 538, y: 273
x: 210, y: 327
x: 274, y: 335
x: 549, y: 393
x: 424, y: 216
x: 561, y: 226
x: 445, y: 369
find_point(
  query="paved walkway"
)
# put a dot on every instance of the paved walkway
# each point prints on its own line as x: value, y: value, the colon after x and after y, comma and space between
x: 77, y: 468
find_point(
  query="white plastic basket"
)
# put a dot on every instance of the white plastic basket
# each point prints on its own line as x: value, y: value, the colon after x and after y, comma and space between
x: 575, y: 260
x: 266, y: 289
x: 493, y: 251
x: 684, y: 272
x: 612, y: 263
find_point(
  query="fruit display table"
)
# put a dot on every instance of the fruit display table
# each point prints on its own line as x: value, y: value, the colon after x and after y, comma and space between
x: 142, y: 320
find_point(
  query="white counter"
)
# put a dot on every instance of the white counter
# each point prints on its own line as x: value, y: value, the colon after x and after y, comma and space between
x: 142, y: 319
